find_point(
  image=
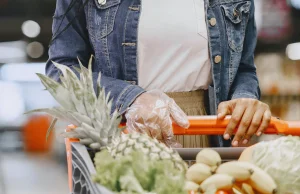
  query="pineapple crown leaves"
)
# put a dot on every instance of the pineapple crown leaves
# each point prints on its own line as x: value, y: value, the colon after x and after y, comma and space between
x: 81, y: 106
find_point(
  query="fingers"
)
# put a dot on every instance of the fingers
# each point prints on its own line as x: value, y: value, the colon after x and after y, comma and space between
x: 178, y: 115
x: 133, y: 126
x: 243, y: 125
x: 151, y: 113
x: 224, y: 109
x: 235, y: 120
x: 251, y: 116
x: 173, y: 143
x: 259, y: 123
x: 255, y: 123
x: 137, y: 120
x: 134, y: 123
x: 165, y: 129
x: 265, y: 122
x: 168, y: 136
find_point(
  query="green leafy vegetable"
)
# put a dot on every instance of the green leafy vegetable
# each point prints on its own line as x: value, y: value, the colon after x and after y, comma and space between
x: 135, y: 174
x: 280, y: 158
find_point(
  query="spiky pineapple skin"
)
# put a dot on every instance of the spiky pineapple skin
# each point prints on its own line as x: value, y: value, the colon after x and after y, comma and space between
x: 151, y: 147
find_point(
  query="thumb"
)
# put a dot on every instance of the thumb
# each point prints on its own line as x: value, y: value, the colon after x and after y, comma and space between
x: 178, y: 115
x: 224, y: 109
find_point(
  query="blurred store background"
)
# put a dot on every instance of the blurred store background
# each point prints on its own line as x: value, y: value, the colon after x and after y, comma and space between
x: 29, y: 164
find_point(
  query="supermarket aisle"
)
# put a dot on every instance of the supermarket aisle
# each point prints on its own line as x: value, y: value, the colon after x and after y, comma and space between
x: 32, y: 174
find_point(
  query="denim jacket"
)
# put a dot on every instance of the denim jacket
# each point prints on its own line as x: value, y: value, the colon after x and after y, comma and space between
x: 108, y: 30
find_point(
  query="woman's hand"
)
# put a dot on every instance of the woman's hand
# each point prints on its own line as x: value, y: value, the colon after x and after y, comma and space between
x: 153, y: 113
x: 249, y: 115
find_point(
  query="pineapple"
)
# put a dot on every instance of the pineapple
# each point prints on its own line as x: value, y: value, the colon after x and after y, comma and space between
x: 96, y: 127
x: 128, y: 143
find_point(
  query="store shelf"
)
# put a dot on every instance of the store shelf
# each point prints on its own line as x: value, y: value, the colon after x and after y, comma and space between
x: 280, y: 97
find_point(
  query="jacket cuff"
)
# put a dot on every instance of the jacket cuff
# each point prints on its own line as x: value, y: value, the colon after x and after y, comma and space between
x: 244, y: 95
x: 127, y: 97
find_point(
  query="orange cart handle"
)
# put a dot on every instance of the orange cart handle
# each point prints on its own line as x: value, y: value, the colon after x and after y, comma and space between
x: 210, y: 125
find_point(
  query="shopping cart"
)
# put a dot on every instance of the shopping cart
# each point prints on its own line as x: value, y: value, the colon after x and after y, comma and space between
x: 81, y: 167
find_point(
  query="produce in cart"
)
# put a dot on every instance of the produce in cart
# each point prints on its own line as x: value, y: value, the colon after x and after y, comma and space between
x: 136, y: 163
x: 135, y: 173
x: 229, y: 176
x: 281, y: 159
x: 266, y: 167
x: 97, y: 127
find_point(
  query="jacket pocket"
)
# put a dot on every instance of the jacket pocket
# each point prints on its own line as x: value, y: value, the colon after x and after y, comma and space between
x: 101, y: 18
x: 236, y: 17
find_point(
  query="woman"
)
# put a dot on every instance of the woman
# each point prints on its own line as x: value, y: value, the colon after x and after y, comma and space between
x: 160, y: 58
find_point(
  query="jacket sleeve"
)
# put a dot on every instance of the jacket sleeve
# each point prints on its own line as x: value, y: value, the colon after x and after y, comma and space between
x: 74, y: 42
x: 246, y: 83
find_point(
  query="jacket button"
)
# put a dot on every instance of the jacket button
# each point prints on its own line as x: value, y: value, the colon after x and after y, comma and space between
x: 235, y: 13
x: 132, y: 82
x: 213, y: 21
x: 102, y: 2
x: 218, y: 59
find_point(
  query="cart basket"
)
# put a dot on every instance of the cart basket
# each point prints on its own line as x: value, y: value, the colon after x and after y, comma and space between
x: 81, y: 167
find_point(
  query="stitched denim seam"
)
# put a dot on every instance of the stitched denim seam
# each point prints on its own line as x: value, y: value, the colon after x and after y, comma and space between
x: 121, y: 94
x: 210, y: 48
x: 103, y: 30
x: 114, y: 12
x: 219, y: 2
x: 111, y: 23
x: 220, y: 48
x: 137, y: 36
x: 244, y: 27
x: 124, y: 40
x: 106, y: 53
x: 91, y: 30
